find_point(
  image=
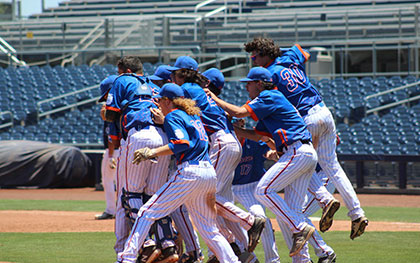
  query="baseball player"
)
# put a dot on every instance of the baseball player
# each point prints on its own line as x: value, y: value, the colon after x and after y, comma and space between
x: 180, y: 216
x: 236, y: 235
x: 292, y: 172
x: 161, y: 76
x: 109, y: 163
x: 192, y: 184
x: 129, y: 101
x: 247, y: 174
x: 225, y: 152
x: 287, y: 69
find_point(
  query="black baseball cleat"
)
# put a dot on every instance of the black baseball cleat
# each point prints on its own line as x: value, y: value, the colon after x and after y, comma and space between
x: 328, y: 259
x: 104, y: 216
x: 235, y: 249
x: 254, y: 233
x: 212, y: 259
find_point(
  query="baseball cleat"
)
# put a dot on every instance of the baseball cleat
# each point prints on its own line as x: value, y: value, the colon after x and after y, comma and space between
x: 235, y: 249
x: 328, y: 259
x: 299, y: 239
x: 247, y: 257
x: 212, y: 259
x: 188, y: 258
x: 254, y: 233
x: 327, y: 215
x: 358, y: 227
x: 104, y: 216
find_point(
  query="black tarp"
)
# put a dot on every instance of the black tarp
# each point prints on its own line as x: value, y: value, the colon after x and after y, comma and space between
x: 43, y: 165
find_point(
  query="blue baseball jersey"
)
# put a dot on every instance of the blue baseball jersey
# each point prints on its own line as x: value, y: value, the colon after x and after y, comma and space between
x: 186, y: 135
x: 278, y: 117
x: 155, y: 88
x: 214, y: 118
x: 251, y: 166
x: 130, y: 95
x: 288, y: 73
x: 111, y: 132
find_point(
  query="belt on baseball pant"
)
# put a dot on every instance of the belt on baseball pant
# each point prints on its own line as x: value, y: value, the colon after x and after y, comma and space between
x: 194, y: 163
x: 214, y: 135
x: 313, y: 108
x: 284, y: 148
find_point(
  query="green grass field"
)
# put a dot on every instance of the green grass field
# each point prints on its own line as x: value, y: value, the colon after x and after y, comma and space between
x: 98, y: 247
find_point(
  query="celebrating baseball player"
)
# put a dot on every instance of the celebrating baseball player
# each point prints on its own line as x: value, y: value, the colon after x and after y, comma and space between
x: 288, y: 73
x: 292, y: 172
x: 192, y: 184
x: 109, y: 158
x: 225, y: 153
x: 180, y: 216
x: 247, y: 174
x: 129, y: 101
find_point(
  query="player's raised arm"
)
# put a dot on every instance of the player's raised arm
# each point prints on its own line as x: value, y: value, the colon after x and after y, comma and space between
x: 233, y: 110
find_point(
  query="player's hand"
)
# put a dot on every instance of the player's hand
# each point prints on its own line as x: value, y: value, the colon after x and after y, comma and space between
x: 112, y: 163
x: 272, y: 155
x: 209, y: 93
x: 144, y: 154
x: 157, y: 116
x: 102, y: 112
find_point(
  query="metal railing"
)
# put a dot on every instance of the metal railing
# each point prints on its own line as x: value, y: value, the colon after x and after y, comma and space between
x: 59, y: 109
x: 82, y: 45
x: 7, y: 49
x: 209, y: 14
x: 7, y: 124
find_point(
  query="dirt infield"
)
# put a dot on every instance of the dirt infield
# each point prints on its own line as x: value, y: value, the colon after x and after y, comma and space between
x: 62, y: 221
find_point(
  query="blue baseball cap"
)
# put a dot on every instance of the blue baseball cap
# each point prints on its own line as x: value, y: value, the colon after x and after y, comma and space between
x: 184, y: 62
x: 161, y: 73
x: 170, y: 91
x: 105, y: 86
x: 258, y: 73
x: 215, y: 76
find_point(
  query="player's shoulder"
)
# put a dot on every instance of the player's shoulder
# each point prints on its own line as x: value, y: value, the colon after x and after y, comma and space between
x: 177, y: 115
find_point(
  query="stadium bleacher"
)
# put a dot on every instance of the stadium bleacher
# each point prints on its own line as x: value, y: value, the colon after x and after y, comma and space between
x: 395, y: 132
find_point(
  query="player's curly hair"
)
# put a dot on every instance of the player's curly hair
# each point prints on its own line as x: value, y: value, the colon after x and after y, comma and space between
x: 264, y: 46
x: 191, y: 76
x: 131, y: 62
x: 268, y: 85
x: 187, y: 105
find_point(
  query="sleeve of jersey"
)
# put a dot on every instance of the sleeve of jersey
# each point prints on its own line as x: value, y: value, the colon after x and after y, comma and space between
x: 261, y: 129
x: 114, y: 96
x: 302, y: 54
x: 259, y: 108
x: 177, y: 135
x: 114, y: 132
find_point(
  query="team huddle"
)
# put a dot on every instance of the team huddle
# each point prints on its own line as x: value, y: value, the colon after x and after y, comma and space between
x: 184, y: 156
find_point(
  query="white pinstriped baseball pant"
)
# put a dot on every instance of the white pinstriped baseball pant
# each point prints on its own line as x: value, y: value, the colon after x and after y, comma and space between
x: 244, y: 194
x: 292, y: 172
x: 225, y: 155
x: 182, y: 221
x: 193, y: 185
x: 322, y: 128
x: 147, y: 177
x: 108, y: 181
x: 311, y: 206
